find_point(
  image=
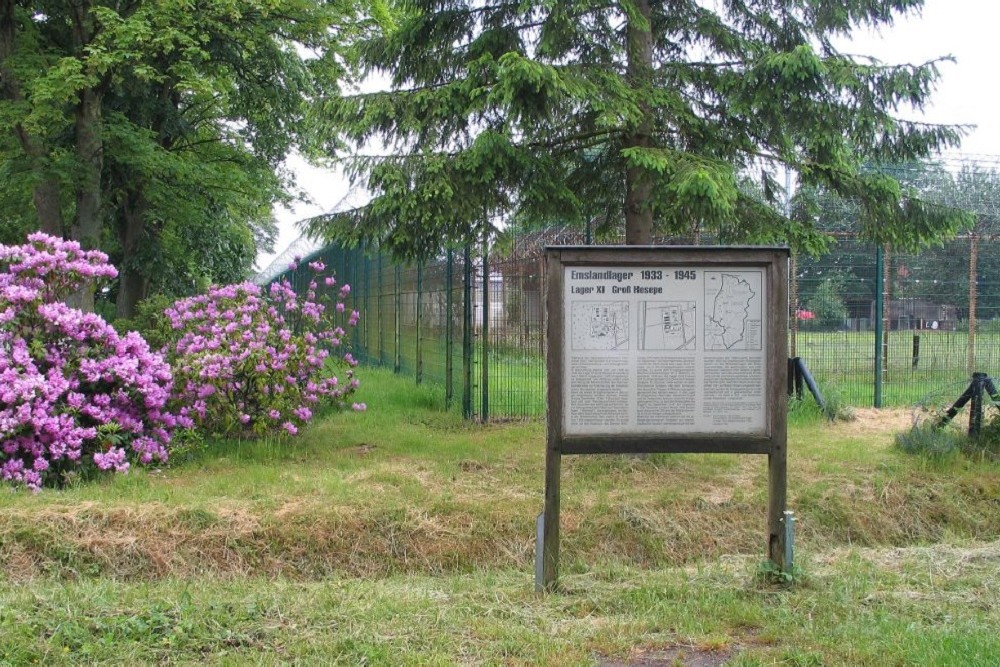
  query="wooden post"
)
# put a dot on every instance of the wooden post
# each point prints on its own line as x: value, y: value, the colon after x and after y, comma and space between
x: 777, y: 498
x: 553, y: 446
x: 777, y: 458
x: 550, y: 520
x: 976, y: 409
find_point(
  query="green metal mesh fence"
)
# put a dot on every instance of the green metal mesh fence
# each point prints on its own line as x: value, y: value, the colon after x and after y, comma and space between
x: 874, y: 326
x: 938, y: 322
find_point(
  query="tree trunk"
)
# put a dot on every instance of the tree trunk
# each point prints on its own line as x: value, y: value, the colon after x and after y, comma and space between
x: 638, y: 185
x: 87, y: 222
x: 132, y: 282
x: 89, y: 152
x: 46, y: 191
x: 48, y: 205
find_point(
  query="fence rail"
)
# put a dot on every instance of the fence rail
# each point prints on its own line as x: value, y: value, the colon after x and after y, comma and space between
x: 874, y: 327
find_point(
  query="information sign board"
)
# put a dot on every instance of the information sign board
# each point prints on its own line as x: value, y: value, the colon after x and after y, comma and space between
x: 666, y: 349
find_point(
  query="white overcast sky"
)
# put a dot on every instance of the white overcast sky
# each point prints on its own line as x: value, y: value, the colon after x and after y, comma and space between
x: 967, y: 94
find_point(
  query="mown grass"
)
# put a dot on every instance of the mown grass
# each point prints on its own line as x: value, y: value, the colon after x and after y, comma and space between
x: 404, y: 535
x: 920, y: 606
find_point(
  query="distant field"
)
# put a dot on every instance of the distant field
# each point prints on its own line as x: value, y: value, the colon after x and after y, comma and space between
x: 845, y: 362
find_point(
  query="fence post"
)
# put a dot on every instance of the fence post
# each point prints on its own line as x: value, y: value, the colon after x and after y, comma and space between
x: 467, y: 334
x: 886, y: 312
x: 484, y: 412
x: 973, y: 293
x: 449, y: 307
x: 420, y: 314
x: 355, y: 259
x: 378, y: 303
x: 976, y: 409
x: 793, y: 279
x: 879, y: 307
x: 396, y: 362
x: 367, y: 310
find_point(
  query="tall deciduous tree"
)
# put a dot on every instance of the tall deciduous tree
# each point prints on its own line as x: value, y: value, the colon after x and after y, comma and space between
x: 652, y: 116
x: 139, y: 118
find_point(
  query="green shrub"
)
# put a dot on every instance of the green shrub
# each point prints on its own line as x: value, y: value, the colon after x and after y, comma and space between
x: 150, y: 322
x: 827, y: 304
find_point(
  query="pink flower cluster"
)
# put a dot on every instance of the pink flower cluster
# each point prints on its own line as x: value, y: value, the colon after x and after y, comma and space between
x: 47, y: 269
x: 65, y: 374
x: 256, y: 361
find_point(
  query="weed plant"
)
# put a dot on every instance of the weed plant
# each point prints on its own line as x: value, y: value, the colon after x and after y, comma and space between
x: 937, y: 441
x: 933, y: 442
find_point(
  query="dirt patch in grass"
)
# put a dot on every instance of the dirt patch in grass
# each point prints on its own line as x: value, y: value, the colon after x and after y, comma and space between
x: 940, y: 560
x: 361, y: 450
x: 675, y: 656
x: 876, y: 421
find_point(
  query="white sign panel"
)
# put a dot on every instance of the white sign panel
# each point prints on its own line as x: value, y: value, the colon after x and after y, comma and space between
x: 665, y: 350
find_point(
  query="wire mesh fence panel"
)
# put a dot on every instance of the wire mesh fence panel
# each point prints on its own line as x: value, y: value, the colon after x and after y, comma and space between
x: 435, y: 321
x: 899, y: 326
x: 987, y: 320
x: 406, y: 307
x: 516, y: 334
x: 926, y: 321
x: 833, y: 318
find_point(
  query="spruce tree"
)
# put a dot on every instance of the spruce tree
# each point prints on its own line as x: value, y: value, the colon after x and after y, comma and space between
x: 655, y: 117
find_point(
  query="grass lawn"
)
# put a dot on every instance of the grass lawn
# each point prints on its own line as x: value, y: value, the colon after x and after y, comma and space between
x: 405, y: 536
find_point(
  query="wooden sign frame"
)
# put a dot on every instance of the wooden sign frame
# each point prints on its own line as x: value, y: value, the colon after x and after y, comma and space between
x: 768, y: 437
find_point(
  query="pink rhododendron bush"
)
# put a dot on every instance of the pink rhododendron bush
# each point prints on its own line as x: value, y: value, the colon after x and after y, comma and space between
x: 74, y: 395
x: 253, y: 361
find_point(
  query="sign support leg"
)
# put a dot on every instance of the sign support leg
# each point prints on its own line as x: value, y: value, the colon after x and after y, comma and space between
x: 550, y: 518
x: 777, y: 485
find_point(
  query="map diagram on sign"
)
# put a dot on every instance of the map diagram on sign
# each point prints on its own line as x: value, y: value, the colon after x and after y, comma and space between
x: 600, y: 325
x: 733, y: 310
x: 667, y: 325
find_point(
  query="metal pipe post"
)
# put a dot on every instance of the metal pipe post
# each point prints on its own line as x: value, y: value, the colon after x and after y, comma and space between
x: 467, y: 334
x: 449, y: 307
x: 419, y: 316
x: 877, y: 316
x: 484, y: 412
